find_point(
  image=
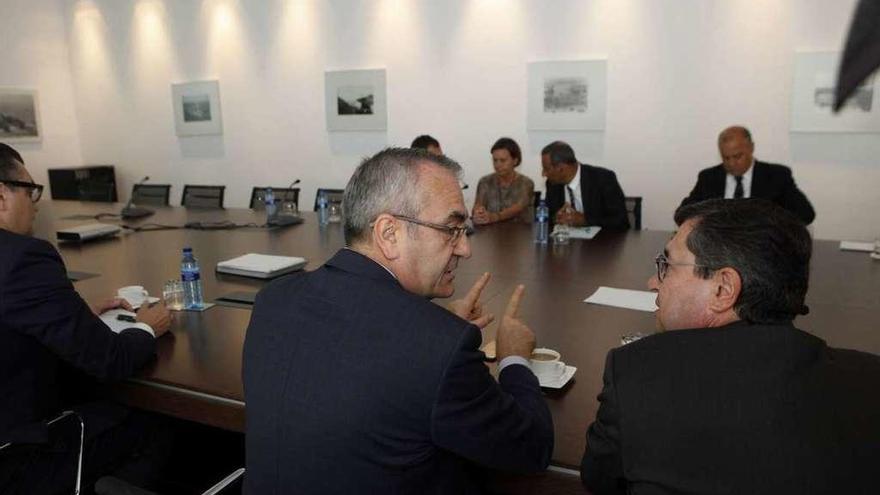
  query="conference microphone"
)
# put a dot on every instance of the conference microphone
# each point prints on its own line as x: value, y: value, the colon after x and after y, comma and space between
x: 132, y: 211
x: 285, y: 220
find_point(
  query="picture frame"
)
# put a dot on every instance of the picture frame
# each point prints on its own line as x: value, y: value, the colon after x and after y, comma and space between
x: 567, y: 95
x: 812, y: 98
x: 355, y: 100
x: 20, y: 115
x: 197, y: 109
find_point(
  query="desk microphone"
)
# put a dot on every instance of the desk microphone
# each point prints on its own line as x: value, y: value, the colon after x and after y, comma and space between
x: 132, y: 211
x: 285, y: 220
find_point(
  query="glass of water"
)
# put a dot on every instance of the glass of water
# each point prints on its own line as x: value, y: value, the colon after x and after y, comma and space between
x: 172, y: 294
x: 334, y: 213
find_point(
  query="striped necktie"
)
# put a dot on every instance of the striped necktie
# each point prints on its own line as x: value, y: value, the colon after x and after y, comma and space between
x: 571, y: 197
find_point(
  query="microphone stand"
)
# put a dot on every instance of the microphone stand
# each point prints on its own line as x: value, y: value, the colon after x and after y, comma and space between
x: 132, y: 211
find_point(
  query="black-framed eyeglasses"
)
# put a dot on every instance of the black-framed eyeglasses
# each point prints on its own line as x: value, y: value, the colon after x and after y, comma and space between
x: 35, y: 190
x: 454, y: 233
x: 663, y: 264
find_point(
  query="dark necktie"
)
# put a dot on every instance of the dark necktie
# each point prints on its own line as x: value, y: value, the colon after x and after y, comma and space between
x: 571, y: 197
x: 738, y: 192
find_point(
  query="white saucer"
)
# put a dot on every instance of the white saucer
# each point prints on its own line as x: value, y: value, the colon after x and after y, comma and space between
x: 560, y: 380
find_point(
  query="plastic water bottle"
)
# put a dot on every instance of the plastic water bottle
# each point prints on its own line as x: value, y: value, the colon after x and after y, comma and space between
x: 270, y: 204
x: 323, y: 215
x: 542, y: 223
x: 192, y: 282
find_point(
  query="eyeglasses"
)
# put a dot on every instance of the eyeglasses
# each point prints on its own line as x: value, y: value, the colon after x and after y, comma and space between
x: 36, y: 190
x: 454, y: 233
x: 663, y: 265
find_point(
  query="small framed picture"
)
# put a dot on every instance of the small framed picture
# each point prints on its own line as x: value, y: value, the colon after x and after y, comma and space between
x: 567, y: 95
x: 355, y: 100
x: 813, y: 96
x: 197, y: 108
x: 19, y: 115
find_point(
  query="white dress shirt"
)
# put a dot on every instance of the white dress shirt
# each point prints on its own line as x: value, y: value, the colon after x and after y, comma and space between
x: 730, y: 184
x: 575, y: 187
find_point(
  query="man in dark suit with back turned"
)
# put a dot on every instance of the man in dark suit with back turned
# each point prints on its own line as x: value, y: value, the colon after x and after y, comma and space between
x: 356, y: 382
x: 741, y: 176
x: 48, y: 334
x: 730, y: 397
x: 579, y: 194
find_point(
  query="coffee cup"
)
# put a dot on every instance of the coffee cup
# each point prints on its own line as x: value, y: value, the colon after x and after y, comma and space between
x: 545, y: 363
x: 134, y: 294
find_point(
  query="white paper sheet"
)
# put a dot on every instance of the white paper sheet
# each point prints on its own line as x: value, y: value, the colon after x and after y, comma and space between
x: 583, y: 232
x: 856, y: 246
x: 109, y: 317
x: 640, y: 300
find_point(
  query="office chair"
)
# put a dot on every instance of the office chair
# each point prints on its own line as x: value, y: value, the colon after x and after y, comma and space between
x: 229, y: 485
x: 79, y: 457
x: 334, y: 196
x: 634, y: 211
x: 202, y: 196
x: 282, y: 195
x: 151, y: 194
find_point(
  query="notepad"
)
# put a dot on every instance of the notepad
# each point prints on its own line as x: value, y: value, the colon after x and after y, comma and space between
x: 624, y: 298
x: 261, y: 265
x: 866, y: 247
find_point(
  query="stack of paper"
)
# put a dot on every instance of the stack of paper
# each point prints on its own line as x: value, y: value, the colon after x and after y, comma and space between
x: 261, y: 265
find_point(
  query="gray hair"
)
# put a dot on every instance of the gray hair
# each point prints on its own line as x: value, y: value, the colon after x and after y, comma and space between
x: 387, y: 182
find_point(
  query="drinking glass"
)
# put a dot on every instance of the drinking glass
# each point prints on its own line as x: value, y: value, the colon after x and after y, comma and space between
x: 172, y: 294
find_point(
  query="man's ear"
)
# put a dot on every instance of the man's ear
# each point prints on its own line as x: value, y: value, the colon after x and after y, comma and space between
x: 386, y: 234
x: 4, y: 197
x: 728, y: 286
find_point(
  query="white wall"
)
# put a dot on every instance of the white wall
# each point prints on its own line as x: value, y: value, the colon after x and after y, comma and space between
x: 34, y: 56
x: 678, y: 72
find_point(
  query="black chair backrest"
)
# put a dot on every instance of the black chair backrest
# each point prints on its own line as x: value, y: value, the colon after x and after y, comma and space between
x: 333, y: 196
x: 202, y: 196
x: 282, y: 195
x: 634, y: 211
x: 151, y: 194
x: 537, y: 199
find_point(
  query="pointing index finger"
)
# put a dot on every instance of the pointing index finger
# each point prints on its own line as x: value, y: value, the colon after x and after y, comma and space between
x: 473, y: 294
x: 513, y: 305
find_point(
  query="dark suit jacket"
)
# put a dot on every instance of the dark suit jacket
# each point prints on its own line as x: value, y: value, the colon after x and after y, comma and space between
x: 769, y: 181
x: 47, y: 333
x: 603, y: 199
x: 354, y: 385
x: 738, y: 409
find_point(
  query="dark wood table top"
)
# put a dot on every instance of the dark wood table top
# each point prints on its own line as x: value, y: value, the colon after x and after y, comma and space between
x: 203, y: 356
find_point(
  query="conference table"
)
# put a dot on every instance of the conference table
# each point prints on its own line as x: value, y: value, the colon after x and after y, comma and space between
x: 197, y: 375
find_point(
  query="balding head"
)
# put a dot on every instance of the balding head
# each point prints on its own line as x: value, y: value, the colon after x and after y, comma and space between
x: 736, y: 149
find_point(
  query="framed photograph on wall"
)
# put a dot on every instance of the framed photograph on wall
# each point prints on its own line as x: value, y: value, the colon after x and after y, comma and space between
x: 567, y: 95
x: 197, y: 108
x: 812, y: 97
x: 355, y: 100
x: 19, y: 115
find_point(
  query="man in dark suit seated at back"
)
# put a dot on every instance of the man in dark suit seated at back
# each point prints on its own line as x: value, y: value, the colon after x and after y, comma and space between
x: 356, y: 382
x: 731, y: 397
x: 739, y: 175
x: 579, y: 194
x: 48, y: 337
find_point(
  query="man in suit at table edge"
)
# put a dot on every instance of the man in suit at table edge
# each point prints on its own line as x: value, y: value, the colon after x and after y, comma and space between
x: 356, y: 382
x: 732, y: 397
x: 579, y: 194
x: 49, y: 339
x: 739, y: 175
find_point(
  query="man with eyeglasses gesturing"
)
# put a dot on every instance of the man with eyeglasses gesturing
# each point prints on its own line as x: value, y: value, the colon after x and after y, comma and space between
x: 50, y: 340
x: 730, y: 397
x: 355, y: 382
